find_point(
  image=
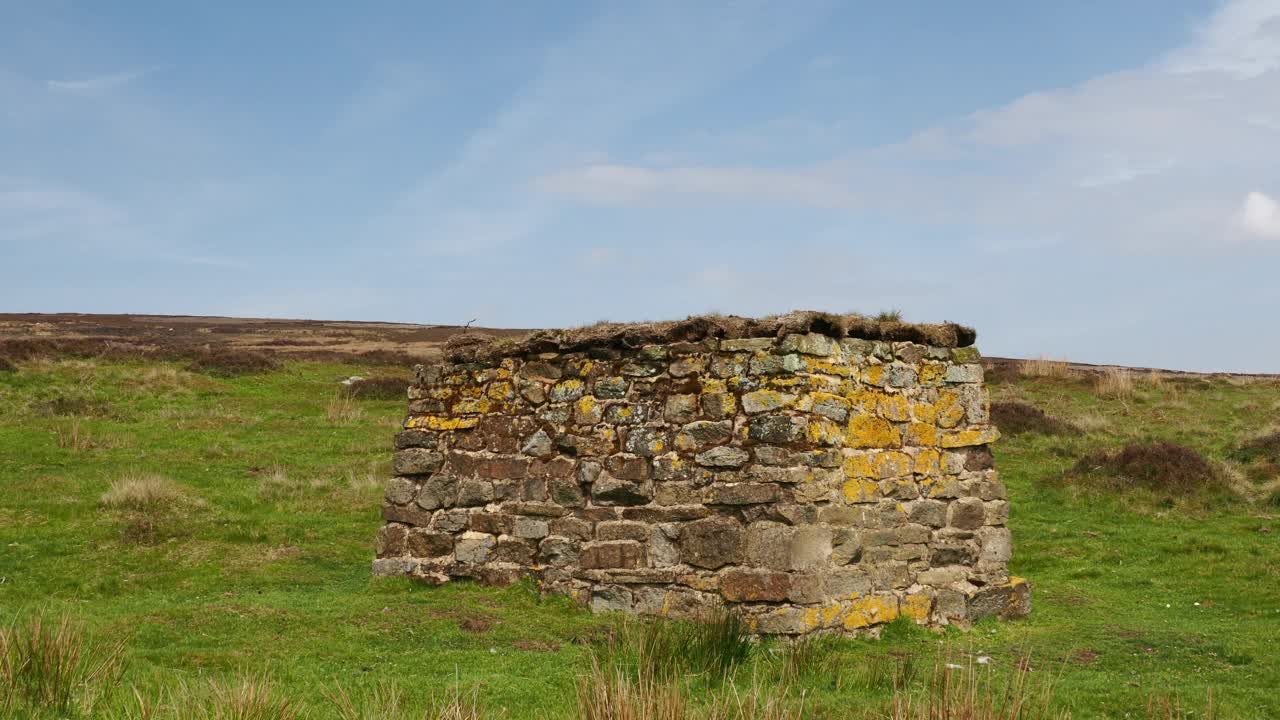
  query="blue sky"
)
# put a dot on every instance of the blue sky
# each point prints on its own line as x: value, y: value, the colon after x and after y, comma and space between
x: 1092, y: 180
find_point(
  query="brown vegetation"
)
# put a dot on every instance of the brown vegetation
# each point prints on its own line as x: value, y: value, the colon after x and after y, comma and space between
x: 1160, y: 466
x: 468, y: 347
x: 1016, y: 418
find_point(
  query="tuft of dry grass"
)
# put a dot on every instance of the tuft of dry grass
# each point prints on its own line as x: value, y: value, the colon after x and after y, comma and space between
x: 967, y: 691
x: 144, y: 492
x: 50, y: 664
x: 73, y: 437
x: 149, y: 502
x: 1043, y: 367
x: 1115, y: 383
x: 386, y: 701
x: 343, y: 408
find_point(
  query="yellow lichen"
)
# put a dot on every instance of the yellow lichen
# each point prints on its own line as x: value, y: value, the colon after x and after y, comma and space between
x: 870, y: 610
x: 916, y: 606
x: 827, y: 367
x: 861, y: 490
x: 822, y: 431
x: 967, y: 438
x: 478, y: 406
x: 434, y: 422
x: 892, y: 407
x: 921, y: 435
x: 872, y: 432
x: 873, y: 375
x: 928, y: 462
x: 931, y: 373
x: 949, y: 410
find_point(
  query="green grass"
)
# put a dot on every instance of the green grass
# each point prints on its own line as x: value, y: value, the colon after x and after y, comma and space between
x: 263, y: 568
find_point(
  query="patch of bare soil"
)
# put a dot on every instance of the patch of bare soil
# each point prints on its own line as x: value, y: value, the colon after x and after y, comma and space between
x: 476, y: 624
x: 1160, y: 466
x: 535, y: 646
x: 1016, y: 418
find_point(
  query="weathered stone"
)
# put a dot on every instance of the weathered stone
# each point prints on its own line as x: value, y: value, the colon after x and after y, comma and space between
x: 746, y: 493
x: 966, y: 514
x: 611, y: 598
x: 611, y: 388
x: 646, y: 442
x: 687, y: 366
x: 718, y: 405
x: 810, y: 548
x: 541, y: 371
x: 437, y: 492
x: 475, y: 492
x: 558, y: 550
x: 775, y: 364
x: 680, y: 408
x: 963, y: 373
x: 900, y: 376
x: 625, y: 414
x: 622, y: 530
x: 567, y: 390
x: 416, y: 439
x: 400, y: 491
x: 766, y: 400
x: 450, y: 521
x: 723, y: 457
x: 427, y: 544
x: 611, y: 490
x: 473, y: 547
x: 747, y: 344
x: 390, y: 540
x: 809, y: 344
x: 743, y: 585
x: 768, y: 545
x: 611, y: 554
x: 711, y: 543
x: 416, y: 461
x: 929, y: 512
x: 776, y: 428
x: 700, y: 434
x: 538, y: 445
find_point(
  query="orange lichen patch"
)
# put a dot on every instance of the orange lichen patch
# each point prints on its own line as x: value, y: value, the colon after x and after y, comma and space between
x: 872, y: 432
x: 921, y: 435
x: 442, y: 392
x: 934, y: 487
x: 892, y: 407
x: 861, y: 490
x: 928, y: 462
x: 873, y: 375
x: 967, y: 438
x: 870, y: 610
x: 501, y: 390
x: 434, y: 422
x: 862, y: 401
x: 713, y: 385
x: 916, y: 606
x: 949, y: 410
x: 478, y: 406
x: 827, y: 367
x: 822, y: 431
x: 931, y: 373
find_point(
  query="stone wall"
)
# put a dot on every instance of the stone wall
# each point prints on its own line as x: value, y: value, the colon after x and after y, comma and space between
x: 806, y: 478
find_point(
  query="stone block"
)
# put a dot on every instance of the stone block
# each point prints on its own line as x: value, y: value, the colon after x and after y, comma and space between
x: 627, y: 554
x: 711, y: 542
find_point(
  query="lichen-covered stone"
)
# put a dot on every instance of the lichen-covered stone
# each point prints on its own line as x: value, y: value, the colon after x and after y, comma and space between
x: 813, y: 472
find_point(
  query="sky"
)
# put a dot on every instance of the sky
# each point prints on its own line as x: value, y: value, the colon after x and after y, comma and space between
x: 1095, y: 180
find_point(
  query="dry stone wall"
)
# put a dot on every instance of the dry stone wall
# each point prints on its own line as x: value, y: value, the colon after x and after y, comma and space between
x: 806, y: 480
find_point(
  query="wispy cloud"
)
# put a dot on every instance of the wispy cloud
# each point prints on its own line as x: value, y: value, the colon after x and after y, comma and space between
x: 589, y: 90
x: 97, y: 84
x: 1151, y: 157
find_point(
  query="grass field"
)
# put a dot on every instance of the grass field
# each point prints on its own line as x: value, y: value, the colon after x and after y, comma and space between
x: 248, y: 555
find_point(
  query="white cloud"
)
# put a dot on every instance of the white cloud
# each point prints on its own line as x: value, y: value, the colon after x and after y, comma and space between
x: 1147, y: 158
x: 1260, y: 216
x: 1242, y: 38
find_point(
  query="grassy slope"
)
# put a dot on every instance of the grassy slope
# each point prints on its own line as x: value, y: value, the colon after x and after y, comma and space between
x: 277, y: 580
